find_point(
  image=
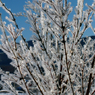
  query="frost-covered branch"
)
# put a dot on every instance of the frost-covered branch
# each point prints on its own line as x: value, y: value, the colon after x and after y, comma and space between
x: 90, y: 76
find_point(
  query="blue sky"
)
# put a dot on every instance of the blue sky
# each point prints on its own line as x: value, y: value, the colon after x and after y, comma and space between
x: 17, y: 6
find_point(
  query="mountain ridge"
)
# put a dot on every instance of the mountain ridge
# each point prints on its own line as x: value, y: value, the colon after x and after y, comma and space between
x: 5, y: 61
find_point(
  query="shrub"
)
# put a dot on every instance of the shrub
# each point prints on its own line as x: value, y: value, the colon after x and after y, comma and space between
x: 57, y: 64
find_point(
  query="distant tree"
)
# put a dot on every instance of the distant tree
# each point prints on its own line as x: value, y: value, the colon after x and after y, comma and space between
x: 57, y: 64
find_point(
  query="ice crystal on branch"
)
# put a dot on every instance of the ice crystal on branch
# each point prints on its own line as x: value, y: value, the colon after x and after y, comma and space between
x: 60, y: 62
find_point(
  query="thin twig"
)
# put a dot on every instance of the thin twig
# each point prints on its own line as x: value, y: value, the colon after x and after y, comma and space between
x: 90, y: 77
